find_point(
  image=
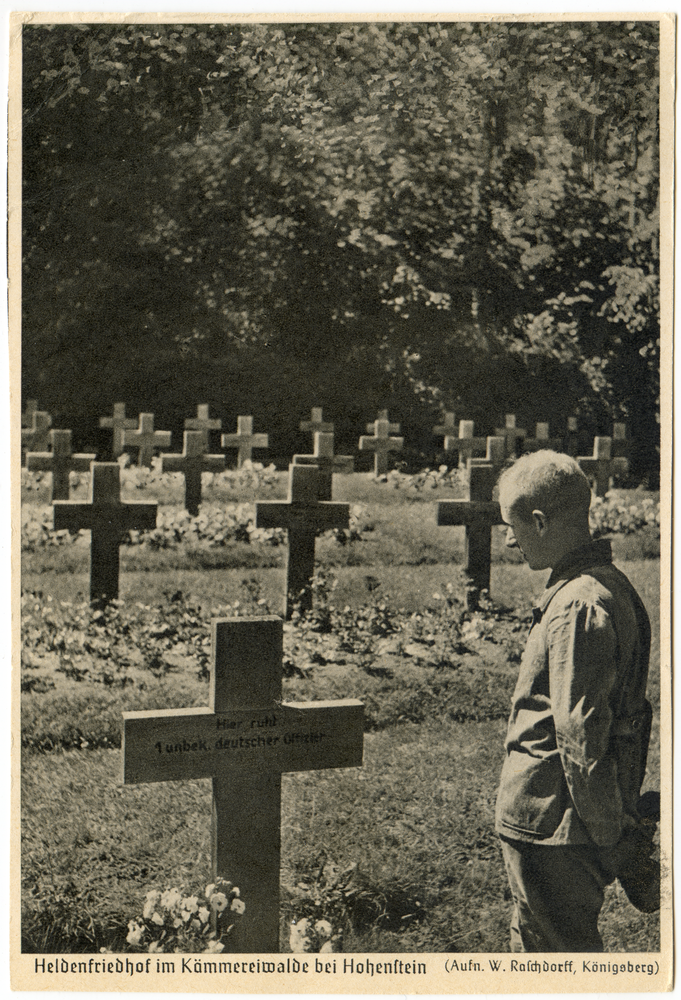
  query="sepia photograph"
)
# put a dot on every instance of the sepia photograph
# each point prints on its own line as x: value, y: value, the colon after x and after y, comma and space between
x: 341, y: 475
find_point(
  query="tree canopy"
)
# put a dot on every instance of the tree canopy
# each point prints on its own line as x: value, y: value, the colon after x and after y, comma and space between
x: 454, y: 215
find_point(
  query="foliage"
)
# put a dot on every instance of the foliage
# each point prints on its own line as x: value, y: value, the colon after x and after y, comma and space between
x: 421, y: 482
x: 173, y: 921
x: 465, y: 211
x: 624, y: 515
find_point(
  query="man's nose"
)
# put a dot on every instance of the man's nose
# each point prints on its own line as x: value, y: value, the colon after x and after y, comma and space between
x: 511, y: 542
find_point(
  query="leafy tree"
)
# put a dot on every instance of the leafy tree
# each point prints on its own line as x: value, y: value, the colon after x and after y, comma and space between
x: 465, y: 213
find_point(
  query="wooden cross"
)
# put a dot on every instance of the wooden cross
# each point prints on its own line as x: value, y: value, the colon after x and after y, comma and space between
x: 571, y: 443
x: 60, y: 462
x: 245, y: 440
x: 601, y: 466
x: 381, y: 443
x: 447, y: 429
x: 106, y: 517
x: 202, y: 422
x: 478, y: 513
x: 244, y: 741
x: 512, y: 434
x: 541, y: 440
x: 383, y: 415
x: 27, y: 415
x: 146, y: 439
x: 316, y: 424
x: 466, y: 444
x: 304, y: 516
x: 118, y: 423
x: 621, y: 444
x: 36, y: 437
x: 191, y: 463
x: 327, y: 463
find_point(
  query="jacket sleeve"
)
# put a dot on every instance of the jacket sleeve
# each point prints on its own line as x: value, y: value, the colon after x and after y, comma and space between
x: 582, y: 672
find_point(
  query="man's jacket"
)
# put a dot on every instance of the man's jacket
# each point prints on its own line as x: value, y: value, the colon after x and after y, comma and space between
x: 578, y: 732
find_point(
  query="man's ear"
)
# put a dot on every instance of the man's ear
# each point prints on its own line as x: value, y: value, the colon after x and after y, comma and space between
x: 540, y: 521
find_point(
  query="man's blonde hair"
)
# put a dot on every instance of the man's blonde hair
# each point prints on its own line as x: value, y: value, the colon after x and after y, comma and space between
x: 547, y: 481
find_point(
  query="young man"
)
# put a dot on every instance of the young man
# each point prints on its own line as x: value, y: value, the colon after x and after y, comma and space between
x: 567, y: 806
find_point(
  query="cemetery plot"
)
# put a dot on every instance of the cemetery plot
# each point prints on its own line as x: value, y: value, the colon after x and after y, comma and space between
x: 191, y: 463
x: 244, y: 440
x: 244, y: 742
x: 118, y: 423
x: 145, y: 439
x: 60, y: 462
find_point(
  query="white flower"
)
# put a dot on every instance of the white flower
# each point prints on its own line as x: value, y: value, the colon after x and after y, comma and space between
x: 218, y: 902
x: 150, y: 903
x: 189, y: 905
x: 298, y: 941
x: 156, y: 918
x: 171, y: 898
x: 135, y: 933
x: 203, y: 914
x: 210, y: 889
x: 238, y: 905
x: 326, y: 947
x: 214, y: 948
x: 323, y: 928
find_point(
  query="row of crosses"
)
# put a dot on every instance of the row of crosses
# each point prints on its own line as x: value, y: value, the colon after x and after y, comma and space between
x: 608, y: 458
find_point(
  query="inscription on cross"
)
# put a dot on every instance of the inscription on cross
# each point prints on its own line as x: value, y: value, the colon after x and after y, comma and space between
x: 304, y: 516
x: 542, y: 440
x: 316, y: 424
x: 447, y: 429
x: 203, y: 422
x: 146, y: 439
x: 327, y: 463
x: 191, y: 463
x: 106, y: 517
x: 245, y: 440
x: 601, y: 466
x: 118, y: 423
x: 244, y: 741
x: 512, y: 434
x: 478, y: 514
x: 381, y: 443
x: 37, y: 436
x: 60, y: 462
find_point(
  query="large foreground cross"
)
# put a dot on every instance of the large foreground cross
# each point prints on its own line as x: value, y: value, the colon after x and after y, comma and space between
x: 191, y: 463
x: 478, y: 514
x: 244, y: 741
x: 304, y: 517
x: 106, y: 517
x: 60, y: 462
x: 327, y: 463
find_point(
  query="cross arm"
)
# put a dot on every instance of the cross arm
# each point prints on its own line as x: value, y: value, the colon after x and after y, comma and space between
x: 71, y: 515
x: 39, y: 461
x: 302, y: 517
x: 175, y: 744
x: 468, y: 512
x: 138, y: 515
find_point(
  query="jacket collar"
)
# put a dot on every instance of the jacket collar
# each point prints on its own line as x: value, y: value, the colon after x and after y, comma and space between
x: 595, y: 554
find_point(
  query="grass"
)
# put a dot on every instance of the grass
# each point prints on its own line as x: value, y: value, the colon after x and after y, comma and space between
x: 399, y: 855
